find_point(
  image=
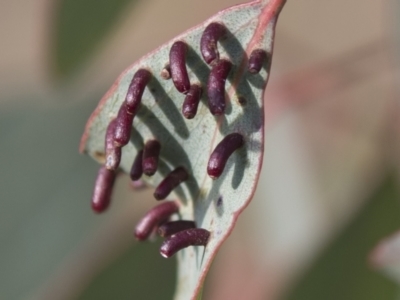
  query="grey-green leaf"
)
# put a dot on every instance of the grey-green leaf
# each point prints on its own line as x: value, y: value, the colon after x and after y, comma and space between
x: 213, y: 204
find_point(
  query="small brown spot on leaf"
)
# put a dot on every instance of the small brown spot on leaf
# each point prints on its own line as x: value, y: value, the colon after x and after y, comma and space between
x: 242, y: 100
x: 99, y: 156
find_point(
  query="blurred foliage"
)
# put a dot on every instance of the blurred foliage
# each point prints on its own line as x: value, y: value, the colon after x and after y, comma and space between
x: 342, y: 271
x: 80, y: 26
x: 45, y: 191
x: 140, y: 273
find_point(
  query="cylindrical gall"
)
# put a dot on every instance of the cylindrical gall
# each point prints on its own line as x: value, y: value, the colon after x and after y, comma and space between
x: 137, y: 166
x: 123, y: 127
x: 183, y: 239
x: 257, y: 59
x: 221, y: 154
x: 103, y: 189
x: 170, y: 182
x: 135, y: 91
x: 216, y: 86
x: 113, y: 153
x: 154, y: 217
x: 209, y: 41
x: 170, y: 228
x: 191, y: 102
x: 151, y: 154
x: 177, y: 64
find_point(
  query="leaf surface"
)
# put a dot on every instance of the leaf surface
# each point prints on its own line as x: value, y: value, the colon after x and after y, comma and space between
x: 213, y: 204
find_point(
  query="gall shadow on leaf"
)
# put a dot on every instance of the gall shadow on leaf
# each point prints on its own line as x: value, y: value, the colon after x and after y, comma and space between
x: 168, y: 107
x: 228, y: 105
x: 240, y: 167
x: 137, y: 140
x: 200, y: 256
x: 236, y: 54
x: 252, y: 116
x: 238, y: 160
x: 178, y: 157
x: 256, y: 80
x: 251, y: 109
x: 201, y: 70
x: 234, y: 50
x: 219, y: 205
x: 197, y: 255
x: 197, y: 65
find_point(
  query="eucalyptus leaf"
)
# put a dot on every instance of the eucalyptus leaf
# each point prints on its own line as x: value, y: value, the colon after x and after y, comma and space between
x: 214, y: 204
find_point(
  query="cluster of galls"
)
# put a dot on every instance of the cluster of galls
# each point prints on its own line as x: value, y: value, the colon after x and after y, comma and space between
x: 182, y: 233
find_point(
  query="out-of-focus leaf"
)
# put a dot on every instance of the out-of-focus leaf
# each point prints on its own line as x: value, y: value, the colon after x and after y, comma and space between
x: 386, y: 256
x: 342, y: 272
x: 80, y: 26
x: 45, y: 190
x: 138, y: 274
x: 212, y: 204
